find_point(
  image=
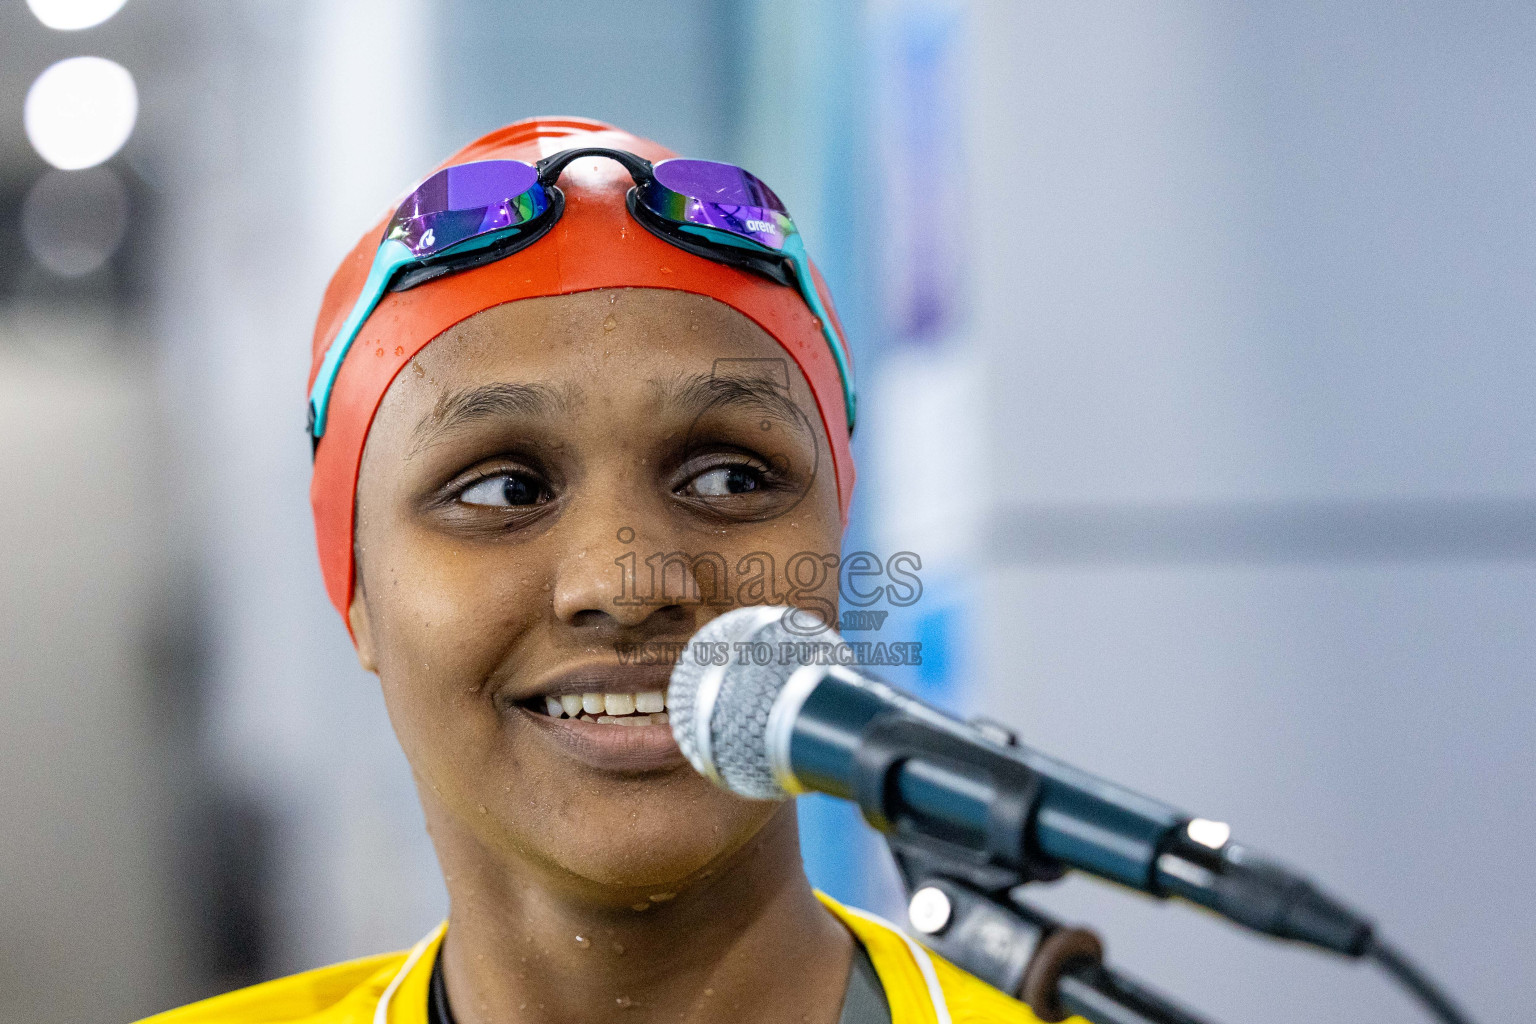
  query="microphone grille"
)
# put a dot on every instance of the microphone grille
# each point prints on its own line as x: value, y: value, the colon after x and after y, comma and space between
x: 737, y: 696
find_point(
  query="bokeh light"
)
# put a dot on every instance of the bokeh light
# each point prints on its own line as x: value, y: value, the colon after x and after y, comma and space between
x: 80, y: 111
x: 70, y: 15
x: 73, y: 221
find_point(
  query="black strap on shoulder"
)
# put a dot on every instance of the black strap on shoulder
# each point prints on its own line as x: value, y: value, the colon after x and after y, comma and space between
x: 438, y: 1010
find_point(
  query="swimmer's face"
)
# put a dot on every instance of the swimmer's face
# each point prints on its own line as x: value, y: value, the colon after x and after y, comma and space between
x: 525, y: 481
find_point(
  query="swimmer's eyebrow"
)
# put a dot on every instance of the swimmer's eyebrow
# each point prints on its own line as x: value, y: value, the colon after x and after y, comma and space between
x: 703, y: 392
x: 467, y: 405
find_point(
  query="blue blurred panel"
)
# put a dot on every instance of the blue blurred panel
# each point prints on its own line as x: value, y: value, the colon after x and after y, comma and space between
x: 843, y: 855
x: 838, y: 848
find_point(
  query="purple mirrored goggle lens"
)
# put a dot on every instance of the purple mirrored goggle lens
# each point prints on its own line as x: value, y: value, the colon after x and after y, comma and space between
x: 720, y: 196
x: 466, y: 201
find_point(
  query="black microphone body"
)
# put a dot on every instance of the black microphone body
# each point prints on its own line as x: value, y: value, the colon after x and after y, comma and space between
x: 772, y: 726
x: 1073, y: 819
x: 1078, y: 820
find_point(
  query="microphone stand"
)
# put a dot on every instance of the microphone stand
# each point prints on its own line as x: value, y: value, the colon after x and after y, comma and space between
x: 967, y: 911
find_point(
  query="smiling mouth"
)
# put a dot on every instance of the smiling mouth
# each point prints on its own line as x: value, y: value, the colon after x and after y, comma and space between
x: 610, y: 717
x: 611, y: 730
x: 644, y: 707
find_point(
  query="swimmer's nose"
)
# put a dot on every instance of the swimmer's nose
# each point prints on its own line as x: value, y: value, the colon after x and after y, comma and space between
x: 611, y: 577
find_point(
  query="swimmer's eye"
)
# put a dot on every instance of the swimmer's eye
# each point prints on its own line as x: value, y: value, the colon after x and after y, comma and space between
x: 735, y: 487
x: 724, y: 481
x: 505, y: 490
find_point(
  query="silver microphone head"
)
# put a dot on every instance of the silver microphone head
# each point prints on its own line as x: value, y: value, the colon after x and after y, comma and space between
x: 719, y: 701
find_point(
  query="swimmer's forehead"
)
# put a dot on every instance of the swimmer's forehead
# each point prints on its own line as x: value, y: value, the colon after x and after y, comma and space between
x: 551, y: 357
x: 686, y: 394
x: 656, y: 313
x: 630, y: 327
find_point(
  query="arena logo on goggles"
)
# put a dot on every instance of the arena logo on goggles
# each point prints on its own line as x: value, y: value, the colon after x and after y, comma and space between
x: 472, y: 214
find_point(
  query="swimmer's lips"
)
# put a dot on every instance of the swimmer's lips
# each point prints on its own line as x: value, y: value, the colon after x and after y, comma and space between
x: 612, y: 748
x: 607, y: 745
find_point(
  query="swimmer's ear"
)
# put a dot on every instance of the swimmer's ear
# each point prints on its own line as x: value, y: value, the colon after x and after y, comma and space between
x: 362, y: 629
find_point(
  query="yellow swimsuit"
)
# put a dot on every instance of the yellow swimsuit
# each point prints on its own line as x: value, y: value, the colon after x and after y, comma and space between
x: 392, y: 988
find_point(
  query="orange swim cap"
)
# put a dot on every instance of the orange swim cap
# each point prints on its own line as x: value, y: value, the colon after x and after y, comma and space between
x: 595, y: 244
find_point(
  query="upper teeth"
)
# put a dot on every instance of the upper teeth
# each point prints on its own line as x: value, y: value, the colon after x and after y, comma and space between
x: 646, y: 707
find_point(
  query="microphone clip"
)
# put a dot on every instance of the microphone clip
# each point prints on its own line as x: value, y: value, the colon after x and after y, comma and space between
x: 970, y: 913
x: 900, y: 761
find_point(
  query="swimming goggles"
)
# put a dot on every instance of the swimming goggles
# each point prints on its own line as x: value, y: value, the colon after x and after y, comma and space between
x: 475, y: 213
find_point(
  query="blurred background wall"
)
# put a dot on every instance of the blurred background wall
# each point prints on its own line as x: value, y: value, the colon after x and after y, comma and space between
x: 1195, y: 363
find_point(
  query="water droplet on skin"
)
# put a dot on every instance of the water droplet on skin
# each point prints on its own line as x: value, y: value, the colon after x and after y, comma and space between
x: 482, y: 809
x: 624, y: 1002
x: 583, y: 941
x: 610, y: 323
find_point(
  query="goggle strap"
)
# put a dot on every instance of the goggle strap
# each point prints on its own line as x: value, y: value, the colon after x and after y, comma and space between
x: 392, y: 255
x: 794, y: 250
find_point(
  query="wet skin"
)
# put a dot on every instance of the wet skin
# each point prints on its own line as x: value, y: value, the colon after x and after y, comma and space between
x: 504, y: 466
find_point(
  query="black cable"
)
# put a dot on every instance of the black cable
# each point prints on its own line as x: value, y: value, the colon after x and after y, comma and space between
x: 1408, y: 974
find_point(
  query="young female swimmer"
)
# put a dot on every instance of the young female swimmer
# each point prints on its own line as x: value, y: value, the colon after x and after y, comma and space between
x: 494, y: 445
